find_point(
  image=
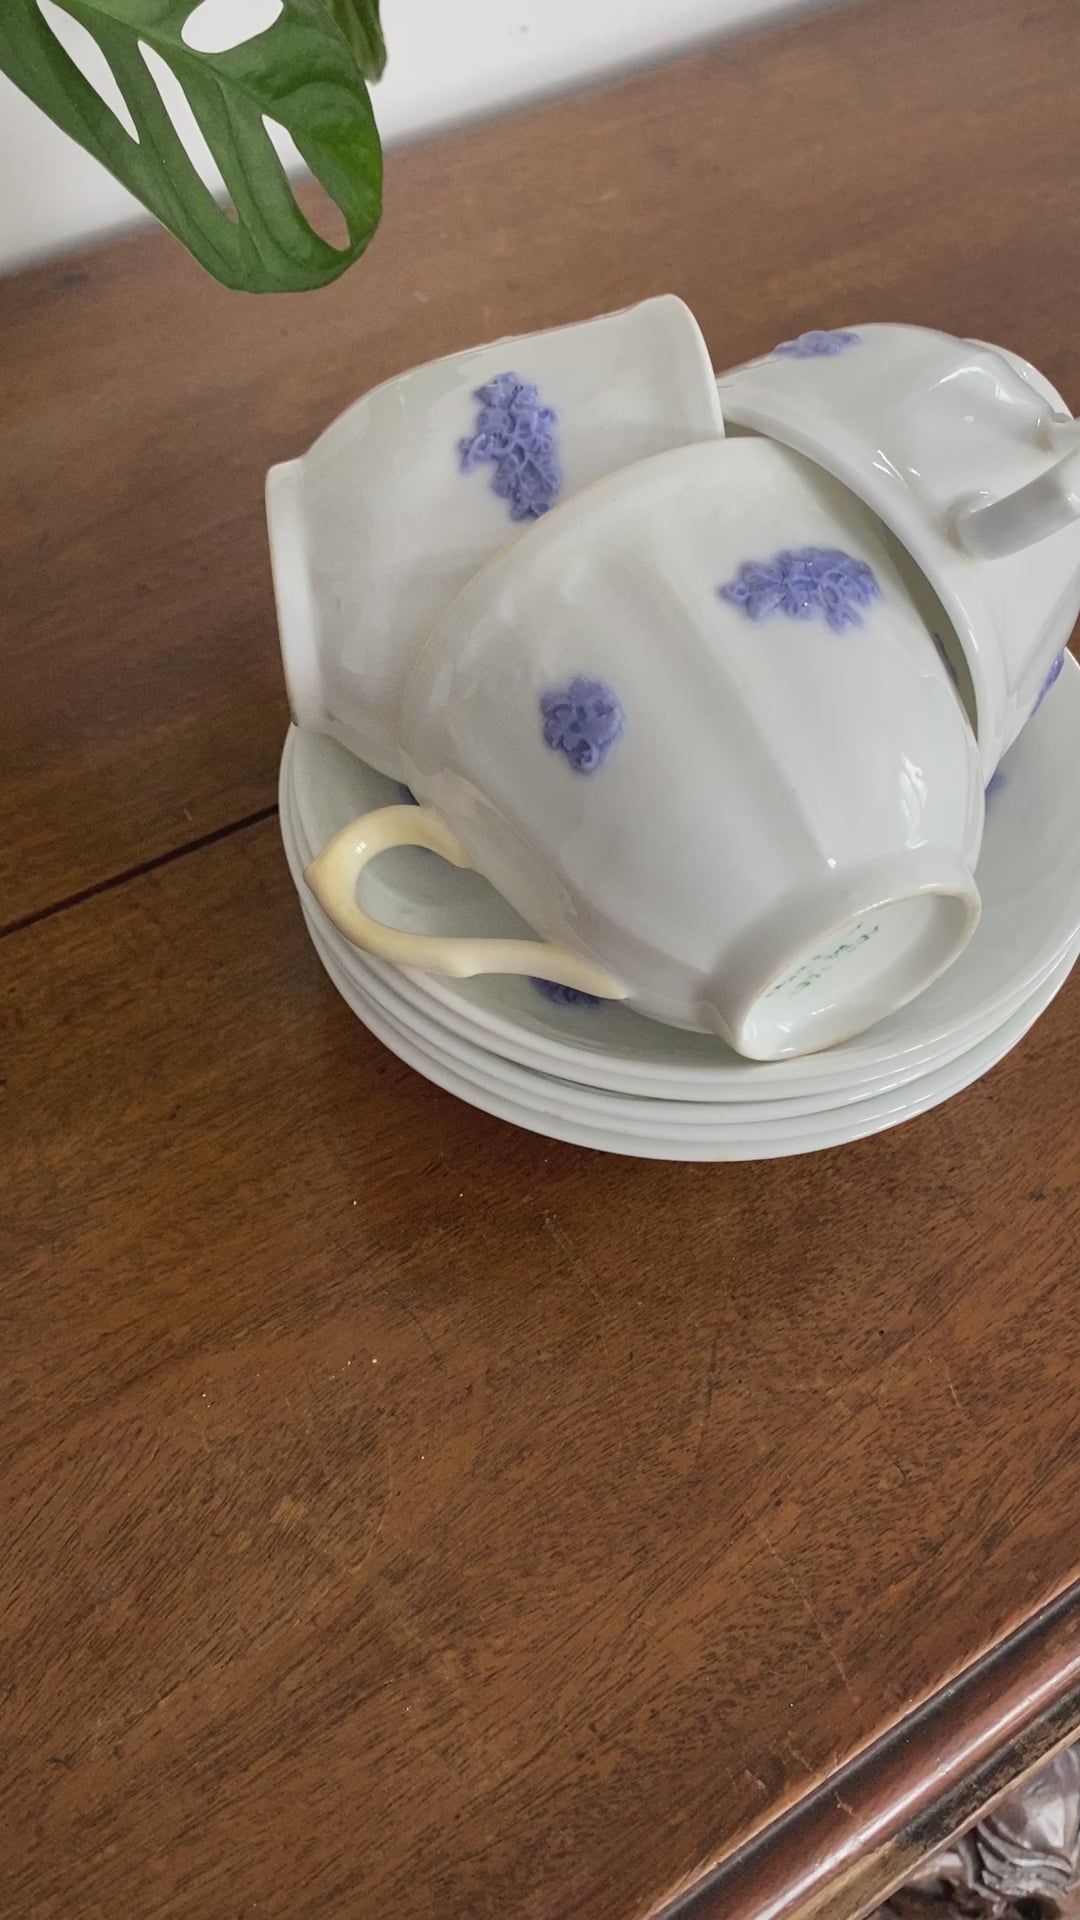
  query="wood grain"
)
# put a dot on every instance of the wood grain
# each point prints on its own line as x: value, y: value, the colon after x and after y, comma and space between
x: 904, y: 159
x: 403, y: 1514
x: 875, y: 1822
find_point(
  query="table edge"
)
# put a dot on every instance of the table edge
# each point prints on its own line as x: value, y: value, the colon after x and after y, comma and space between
x: 865, y: 1828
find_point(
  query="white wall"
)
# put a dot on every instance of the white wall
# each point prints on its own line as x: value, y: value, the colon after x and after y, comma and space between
x: 449, y: 60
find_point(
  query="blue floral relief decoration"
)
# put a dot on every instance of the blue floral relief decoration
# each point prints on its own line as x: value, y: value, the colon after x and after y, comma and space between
x: 819, y: 344
x: 517, y: 436
x: 584, y: 721
x: 565, y: 996
x: 1054, y: 674
x: 804, y: 583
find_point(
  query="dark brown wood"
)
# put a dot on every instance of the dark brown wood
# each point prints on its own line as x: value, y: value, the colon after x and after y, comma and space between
x: 405, y: 1514
x: 902, y: 159
x: 401, y: 1514
x: 875, y: 1823
x: 1021, y: 1860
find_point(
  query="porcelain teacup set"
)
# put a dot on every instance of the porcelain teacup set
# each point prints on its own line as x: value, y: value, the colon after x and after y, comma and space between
x: 723, y: 685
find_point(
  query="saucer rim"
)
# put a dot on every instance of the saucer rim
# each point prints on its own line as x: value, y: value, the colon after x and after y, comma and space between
x: 815, y: 1076
x: 467, y: 1052
x: 744, y: 1142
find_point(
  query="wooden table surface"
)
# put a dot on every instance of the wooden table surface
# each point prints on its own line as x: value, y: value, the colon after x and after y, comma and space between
x: 402, y: 1514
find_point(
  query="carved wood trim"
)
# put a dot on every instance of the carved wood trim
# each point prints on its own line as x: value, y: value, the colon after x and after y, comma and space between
x: 1020, y: 1862
x: 871, y: 1826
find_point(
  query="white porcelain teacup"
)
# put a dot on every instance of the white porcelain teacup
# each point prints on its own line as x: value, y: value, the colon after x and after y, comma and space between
x: 695, y: 729
x: 968, y: 454
x: 398, y: 503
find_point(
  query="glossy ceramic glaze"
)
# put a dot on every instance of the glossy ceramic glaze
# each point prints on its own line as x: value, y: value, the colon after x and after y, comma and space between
x: 1029, y: 877
x: 695, y: 731
x: 542, y: 1109
x: 592, y: 1103
x: 399, y: 502
x: 970, y: 458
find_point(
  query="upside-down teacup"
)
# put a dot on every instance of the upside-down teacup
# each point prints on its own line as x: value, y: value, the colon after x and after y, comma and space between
x: 696, y: 730
x: 421, y: 481
x: 969, y: 456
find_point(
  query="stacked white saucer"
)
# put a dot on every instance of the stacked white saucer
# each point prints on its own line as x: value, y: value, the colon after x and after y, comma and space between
x: 597, y: 1075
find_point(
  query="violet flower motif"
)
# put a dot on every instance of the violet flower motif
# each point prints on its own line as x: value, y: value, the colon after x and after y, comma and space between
x: 1054, y: 674
x: 516, y: 435
x: 819, y: 344
x: 584, y: 721
x: 560, y: 996
x: 802, y: 584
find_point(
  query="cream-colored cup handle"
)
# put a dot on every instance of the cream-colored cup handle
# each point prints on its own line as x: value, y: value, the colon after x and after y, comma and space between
x: 332, y: 878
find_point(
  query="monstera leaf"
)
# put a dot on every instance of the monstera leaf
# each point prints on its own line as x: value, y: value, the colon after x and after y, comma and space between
x: 305, y: 73
x: 359, y: 22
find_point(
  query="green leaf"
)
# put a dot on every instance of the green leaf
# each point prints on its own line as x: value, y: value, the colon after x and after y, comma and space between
x: 359, y: 22
x: 302, y: 72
